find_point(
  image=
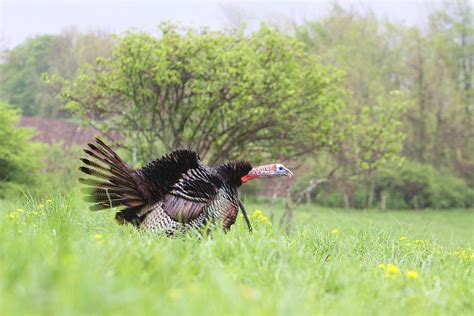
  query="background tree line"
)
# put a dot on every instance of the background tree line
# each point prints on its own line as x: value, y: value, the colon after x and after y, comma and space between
x: 433, y: 67
x: 343, y: 98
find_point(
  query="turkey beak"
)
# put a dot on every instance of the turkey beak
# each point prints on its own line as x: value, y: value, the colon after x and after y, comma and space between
x: 287, y: 172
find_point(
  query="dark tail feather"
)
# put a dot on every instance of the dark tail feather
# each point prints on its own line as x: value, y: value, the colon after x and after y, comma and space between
x: 107, y: 148
x: 113, y: 183
x: 99, y: 151
x: 102, y: 192
x: 114, y: 163
x: 93, y: 183
x: 110, y: 177
x: 115, y: 171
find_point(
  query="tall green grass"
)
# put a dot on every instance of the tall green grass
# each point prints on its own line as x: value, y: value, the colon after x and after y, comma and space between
x: 57, y: 258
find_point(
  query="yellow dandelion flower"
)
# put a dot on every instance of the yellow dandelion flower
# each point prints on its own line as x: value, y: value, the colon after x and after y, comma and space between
x: 381, y: 266
x: 41, y: 206
x: 263, y: 218
x: 392, y: 269
x: 12, y: 215
x: 257, y: 213
x: 404, y: 238
x: 412, y: 274
x: 98, y: 237
x: 335, y: 231
x: 418, y: 241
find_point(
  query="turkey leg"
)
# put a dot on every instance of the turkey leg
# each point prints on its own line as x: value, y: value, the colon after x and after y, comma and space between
x: 244, y: 212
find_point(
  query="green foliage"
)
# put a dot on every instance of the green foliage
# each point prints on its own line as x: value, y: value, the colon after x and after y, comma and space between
x: 22, y: 67
x: 453, y: 30
x: 432, y: 73
x: 376, y: 137
x: 19, y: 158
x: 373, y: 139
x: 431, y: 68
x: 77, y: 262
x: 358, y: 44
x: 409, y: 186
x: 223, y: 94
x: 422, y: 186
x: 21, y: 84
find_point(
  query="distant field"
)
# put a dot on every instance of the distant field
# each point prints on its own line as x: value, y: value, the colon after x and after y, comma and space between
x: 58, y: 258
x: 447, y: 227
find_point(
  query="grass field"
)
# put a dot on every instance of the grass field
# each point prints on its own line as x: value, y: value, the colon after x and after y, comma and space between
x: 56, y: 258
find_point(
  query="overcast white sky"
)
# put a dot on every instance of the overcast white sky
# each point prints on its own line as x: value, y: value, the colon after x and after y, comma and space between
x: 22, y: 18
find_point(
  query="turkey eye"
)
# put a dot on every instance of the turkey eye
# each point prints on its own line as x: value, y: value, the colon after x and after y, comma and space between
x: 280, y: 168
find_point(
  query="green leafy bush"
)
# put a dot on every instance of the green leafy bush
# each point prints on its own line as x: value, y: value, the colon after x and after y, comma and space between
x: 20, y: 159
x: 412, y: 186
x: 224, y: 94
x: 422, y: 186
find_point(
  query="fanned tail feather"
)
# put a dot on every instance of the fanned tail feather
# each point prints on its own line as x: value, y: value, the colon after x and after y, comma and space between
x: 113, y: 183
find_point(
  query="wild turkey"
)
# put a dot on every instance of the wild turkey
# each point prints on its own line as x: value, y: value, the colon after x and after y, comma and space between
x: 175, y: 192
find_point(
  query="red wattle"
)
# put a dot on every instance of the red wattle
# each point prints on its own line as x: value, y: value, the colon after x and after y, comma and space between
x: 245, y: 178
